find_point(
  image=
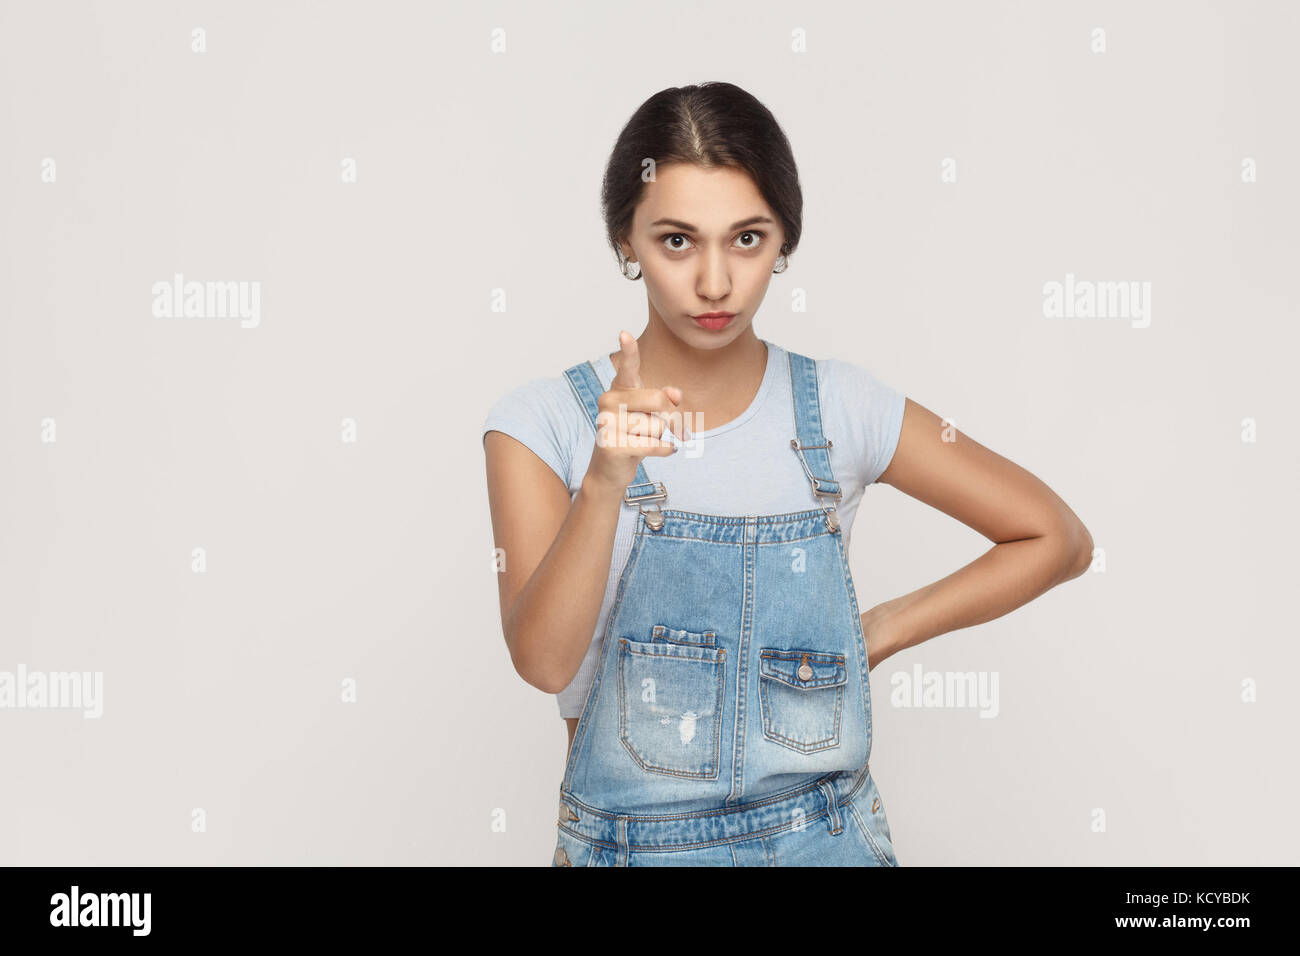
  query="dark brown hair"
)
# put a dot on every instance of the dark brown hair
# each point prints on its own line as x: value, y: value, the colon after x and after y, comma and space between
x: 709, y: 124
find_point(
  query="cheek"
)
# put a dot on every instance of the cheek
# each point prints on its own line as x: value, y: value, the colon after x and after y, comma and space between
x: 755, y: 284
x: 666, y: 292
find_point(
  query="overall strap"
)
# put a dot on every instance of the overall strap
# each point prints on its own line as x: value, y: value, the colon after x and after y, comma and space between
x: 586, y: 387
x: 811, y: 445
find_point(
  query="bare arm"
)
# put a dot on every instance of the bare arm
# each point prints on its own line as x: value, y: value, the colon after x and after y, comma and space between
x: 1038, y: 541
x: 556, y: 560
x: 557, y: 554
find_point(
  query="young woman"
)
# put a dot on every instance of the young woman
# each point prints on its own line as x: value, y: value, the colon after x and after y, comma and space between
x: 676, y: 515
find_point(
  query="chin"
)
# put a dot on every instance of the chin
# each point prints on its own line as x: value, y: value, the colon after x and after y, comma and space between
x: 714, y: 340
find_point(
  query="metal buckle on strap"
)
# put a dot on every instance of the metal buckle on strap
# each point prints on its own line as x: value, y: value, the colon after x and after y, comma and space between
x: 837, y: 494
x: 817, y: 487
x: 654, y: 518
x: 631, y: 499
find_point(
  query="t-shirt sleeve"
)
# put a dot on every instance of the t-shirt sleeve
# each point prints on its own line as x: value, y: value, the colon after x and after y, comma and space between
x: 542, y: 416
x: 873, y: 411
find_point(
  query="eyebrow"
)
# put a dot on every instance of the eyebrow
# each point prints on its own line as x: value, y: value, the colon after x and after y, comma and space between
x: 751, y: 221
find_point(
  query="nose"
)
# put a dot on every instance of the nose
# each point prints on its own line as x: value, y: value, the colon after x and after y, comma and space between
x: 714, y: 281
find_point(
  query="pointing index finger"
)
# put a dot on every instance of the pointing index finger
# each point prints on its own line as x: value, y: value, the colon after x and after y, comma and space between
x: 629, y: 370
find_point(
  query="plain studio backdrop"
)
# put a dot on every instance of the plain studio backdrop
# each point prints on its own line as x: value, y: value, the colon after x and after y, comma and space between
x: 269, y: 536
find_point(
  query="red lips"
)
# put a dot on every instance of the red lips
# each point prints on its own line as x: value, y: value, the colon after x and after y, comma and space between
x: 713, y: 321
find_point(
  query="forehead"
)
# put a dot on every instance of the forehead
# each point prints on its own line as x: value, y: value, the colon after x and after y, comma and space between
x: 710, y: 198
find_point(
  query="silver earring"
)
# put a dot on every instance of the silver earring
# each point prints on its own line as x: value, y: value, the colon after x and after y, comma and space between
x: 783, y: 262
x: 633, y: 275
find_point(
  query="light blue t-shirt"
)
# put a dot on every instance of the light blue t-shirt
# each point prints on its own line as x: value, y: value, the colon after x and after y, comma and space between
x: 745, y: 467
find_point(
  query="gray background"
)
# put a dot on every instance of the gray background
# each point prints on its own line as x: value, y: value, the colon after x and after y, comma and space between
x: 1121, y: 690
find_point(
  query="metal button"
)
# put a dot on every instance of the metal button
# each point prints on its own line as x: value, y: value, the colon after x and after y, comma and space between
x: 805, y: 672
x: 561, y: 858
x: 832, y: 521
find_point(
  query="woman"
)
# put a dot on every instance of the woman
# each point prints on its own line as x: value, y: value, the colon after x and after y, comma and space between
x: 697, y: 617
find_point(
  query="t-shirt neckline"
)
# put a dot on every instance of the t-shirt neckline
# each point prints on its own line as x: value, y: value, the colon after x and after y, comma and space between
x: 605, y: 371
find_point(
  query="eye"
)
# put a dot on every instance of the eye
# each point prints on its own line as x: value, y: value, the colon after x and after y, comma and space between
x: 749, y: 239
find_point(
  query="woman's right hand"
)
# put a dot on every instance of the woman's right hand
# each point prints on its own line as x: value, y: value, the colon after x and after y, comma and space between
x: 632, y: 419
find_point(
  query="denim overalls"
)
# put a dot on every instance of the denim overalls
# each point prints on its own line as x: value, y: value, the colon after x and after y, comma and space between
x: 729, y: 721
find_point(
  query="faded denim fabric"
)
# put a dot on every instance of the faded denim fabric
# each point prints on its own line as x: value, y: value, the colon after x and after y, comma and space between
x: 729, y: 722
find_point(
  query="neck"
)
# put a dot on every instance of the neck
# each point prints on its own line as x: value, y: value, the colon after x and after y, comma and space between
x: 717, y: 384
x: 667, y: 360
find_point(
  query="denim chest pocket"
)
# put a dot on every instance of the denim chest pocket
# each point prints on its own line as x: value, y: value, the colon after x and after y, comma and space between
x: 670, y: 702
x: 801, y: 695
